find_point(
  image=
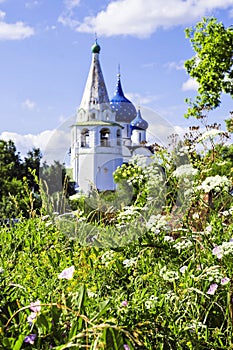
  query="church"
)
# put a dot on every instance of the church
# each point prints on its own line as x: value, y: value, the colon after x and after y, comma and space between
x: 106, y: 134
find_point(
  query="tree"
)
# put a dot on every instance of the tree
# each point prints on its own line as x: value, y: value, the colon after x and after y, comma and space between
x: 212, y: 65
x: 31, y: 167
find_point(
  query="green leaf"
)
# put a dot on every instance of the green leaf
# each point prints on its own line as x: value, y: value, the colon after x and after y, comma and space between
x: 82, y: 297
x: 102, y: 308
x: 113, y: 339
x: 18, y: 342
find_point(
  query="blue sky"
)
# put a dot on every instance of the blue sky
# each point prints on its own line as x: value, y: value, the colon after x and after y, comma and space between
x: 45, y: 58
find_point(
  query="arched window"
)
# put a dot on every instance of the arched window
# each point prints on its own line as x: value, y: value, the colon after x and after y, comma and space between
x: 104, y: 137
x: 85, y: 138
x: 118, y: 137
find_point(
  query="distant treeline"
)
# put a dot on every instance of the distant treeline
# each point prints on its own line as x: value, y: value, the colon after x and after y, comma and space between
x: 19, y: 180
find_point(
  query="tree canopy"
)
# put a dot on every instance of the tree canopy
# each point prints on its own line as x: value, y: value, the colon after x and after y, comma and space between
x: 212, y: 64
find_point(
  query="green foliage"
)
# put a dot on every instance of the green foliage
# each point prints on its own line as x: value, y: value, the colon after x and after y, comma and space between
x: 211, y: 66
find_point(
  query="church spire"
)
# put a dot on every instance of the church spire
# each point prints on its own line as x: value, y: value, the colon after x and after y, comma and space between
x: 95, y: 92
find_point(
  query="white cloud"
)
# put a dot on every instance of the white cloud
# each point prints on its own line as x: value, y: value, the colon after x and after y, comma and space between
x: 2, y: 15
x: 190, y: 84
x: 31, y: 4
x: 70, y: 4
x: 175, y: 65
x: 142, y: 18
x: 28, y: 104
x: 24, y: 143
x: 138, y: 99
x: 14, y: 31
x: 54, y: 144
x: 66, y: 18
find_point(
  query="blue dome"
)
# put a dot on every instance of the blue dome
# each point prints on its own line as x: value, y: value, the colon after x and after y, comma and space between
x: 139, y: 122
x: 125, y: 110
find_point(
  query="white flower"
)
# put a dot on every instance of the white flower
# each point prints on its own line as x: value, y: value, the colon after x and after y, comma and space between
x: 185, y: 170
x: 183, y: 244
x: 216, y: 183
x: 107, y: 257
x: 168, y: 275
x: 208, y: 229
x: 196, y: 215
x: 210, y: 134
x: 168, y: 239
x: 157, y: 223
x: 129, y: 262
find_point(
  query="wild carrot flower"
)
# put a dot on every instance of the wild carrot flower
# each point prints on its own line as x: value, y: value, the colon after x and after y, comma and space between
x: 212, y: 289
x: 30, y: 339
x: 129, y: 262
x: 67, y: 273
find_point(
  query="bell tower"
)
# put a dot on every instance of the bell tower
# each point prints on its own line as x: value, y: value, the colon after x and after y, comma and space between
x: 96, y: 140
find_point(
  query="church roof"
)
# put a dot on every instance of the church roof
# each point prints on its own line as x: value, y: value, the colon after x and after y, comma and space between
x: 97, y: 123
x: 95, y: 92
x: 125, y: 110
x: 139, y: 122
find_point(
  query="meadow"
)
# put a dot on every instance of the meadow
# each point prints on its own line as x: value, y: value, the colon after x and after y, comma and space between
x: 155, y: 273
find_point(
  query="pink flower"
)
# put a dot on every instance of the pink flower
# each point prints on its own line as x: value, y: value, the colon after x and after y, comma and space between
x: 225, y: 280
x: 31, y: 318
x: 218, y: 252
x: 212, y: 289
x: 35, y: 307
x: 67, y: 273
x: 126, y: 347
x: 124, y: 303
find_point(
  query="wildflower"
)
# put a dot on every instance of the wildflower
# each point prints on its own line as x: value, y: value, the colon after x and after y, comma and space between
x: 183, y: 244
x: 31, y: 318
x: 129, y: 262
x: 168, y: 275
x: 208, y: 229
x: 168, y: 239
x: 30, y: 339
x: 225, y: 280
x: 210, y: 134
x: 183, y: 269
x: 212, y: 289
x: 157, y: 223
x: 151, y: 302
x: 224, y: 249
x: 216, y: 183
x: 107, y: 257
x: 196, y: 215
x: 67, y: 273
x: 218, y: 252
x: 35, y: 307
x: 126, y: 347
x: 124, y: 303
x: 185, y: 170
